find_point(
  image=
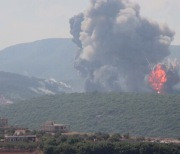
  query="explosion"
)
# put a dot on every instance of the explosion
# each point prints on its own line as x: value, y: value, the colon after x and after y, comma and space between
x: 114, y: 42
x: 164, y: 77
x: 158, y: 78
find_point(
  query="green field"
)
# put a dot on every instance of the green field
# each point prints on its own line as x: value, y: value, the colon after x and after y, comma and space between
x: 137, y: 114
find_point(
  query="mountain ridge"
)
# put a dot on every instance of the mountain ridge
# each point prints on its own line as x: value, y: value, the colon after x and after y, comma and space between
x: 42, y: 55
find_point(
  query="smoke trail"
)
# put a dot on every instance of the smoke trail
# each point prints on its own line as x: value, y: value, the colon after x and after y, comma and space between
x: 114, y: 43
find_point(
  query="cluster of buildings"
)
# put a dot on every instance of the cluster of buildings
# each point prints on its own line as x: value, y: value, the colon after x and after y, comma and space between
x: 22, y: 134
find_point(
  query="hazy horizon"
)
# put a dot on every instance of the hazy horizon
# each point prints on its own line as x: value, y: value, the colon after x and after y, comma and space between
x: 28, y: 21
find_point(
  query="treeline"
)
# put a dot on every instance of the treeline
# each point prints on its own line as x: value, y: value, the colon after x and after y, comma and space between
x: 139, y: 114
x: 96, y: 143
x: 102, y: 144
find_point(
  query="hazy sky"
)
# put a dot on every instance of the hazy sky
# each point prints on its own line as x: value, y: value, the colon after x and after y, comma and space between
x: 30, y: 20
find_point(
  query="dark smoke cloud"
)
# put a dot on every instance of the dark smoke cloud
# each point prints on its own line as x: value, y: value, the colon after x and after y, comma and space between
x: 116, y: 45
x: 75, y: 26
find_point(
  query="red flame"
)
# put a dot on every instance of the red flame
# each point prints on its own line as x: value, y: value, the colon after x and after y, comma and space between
x: 157, y: 78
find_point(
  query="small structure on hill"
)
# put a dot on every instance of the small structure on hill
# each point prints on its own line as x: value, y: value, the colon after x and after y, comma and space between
x: 51, y: 127
x: 3, y: 122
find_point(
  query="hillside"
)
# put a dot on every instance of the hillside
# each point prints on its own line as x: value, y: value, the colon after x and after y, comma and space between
x: 48, y: 58
x: 44, y: 58
x: 14, y: 87
x: 137, y: 114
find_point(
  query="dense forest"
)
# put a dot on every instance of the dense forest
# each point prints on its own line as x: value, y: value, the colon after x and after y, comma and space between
x: 137, y: 114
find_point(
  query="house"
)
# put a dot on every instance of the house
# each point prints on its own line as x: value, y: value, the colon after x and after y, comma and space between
x: 52, y: 127
x: 20, y: 136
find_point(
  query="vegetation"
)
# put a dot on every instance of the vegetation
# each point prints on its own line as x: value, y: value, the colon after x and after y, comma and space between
x: 29, y: 146
x: 137, y: 114
x: 97, y: 143
x: 100, y: 143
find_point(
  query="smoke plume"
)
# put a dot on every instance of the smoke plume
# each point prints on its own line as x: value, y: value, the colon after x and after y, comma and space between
x: 117, y: 45
x: 173, y: 78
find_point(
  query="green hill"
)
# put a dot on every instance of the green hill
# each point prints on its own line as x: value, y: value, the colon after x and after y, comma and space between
x: 137, y: 114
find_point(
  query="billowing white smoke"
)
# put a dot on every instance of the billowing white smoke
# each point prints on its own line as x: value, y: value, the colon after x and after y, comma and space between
x: 116, y: 44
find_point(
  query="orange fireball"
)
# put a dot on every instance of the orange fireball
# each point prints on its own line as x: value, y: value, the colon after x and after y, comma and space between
x: 157, y: 78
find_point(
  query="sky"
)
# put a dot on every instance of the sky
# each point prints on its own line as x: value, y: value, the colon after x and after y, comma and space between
x: 29, y: 20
